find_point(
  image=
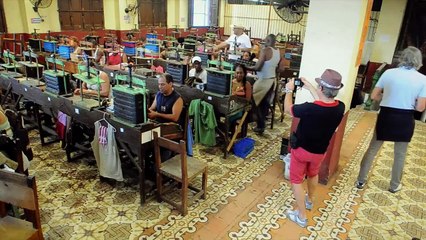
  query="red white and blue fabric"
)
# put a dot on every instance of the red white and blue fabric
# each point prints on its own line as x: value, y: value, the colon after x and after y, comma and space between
x: 103, y: 133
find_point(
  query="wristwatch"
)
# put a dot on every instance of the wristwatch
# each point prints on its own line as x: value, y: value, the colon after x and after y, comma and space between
x: 288, y: 90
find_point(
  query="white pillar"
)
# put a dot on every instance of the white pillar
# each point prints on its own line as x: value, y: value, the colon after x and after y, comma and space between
x: 388, y: 29
x: 332, y: 40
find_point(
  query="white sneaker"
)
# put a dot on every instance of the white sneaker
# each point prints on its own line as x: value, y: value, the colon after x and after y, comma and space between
x: 397, y: 189
x: 293, y: 215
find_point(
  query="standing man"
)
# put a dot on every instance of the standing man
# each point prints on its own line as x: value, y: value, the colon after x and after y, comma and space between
x: 318, y: 122
x: 266, y: 68
x: 238, y: 41
x: 168, y: 104
x: 401, y: 91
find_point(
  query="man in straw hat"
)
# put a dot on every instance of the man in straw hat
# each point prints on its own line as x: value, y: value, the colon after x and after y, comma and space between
x: 318, y: 122
x: 238, y: 41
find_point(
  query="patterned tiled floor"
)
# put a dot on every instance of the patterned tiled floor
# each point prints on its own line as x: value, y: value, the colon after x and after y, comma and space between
x: 383, y: 215
x: 76, y: 205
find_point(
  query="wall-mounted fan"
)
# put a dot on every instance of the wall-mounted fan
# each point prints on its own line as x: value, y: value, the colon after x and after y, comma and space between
x: 291, y: 11
x: 40, y: 4
x: 133, y: 7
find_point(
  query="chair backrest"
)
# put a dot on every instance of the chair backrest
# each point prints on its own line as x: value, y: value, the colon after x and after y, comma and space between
x: 82, y: 69
x: 172, y: 146
x: 228, y: 66
x: 169, y: 144
x: 212, y: 63
x: 20, y: 191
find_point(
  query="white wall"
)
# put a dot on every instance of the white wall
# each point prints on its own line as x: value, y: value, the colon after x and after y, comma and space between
x: 18, y: 14
x: 111, y: 20
x: 257, y: 17
x: 172, y: 13
x: 177, y: 13
x: 50, y: 16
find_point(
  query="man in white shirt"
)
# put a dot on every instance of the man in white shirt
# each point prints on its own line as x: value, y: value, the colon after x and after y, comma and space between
x: 238, y: 41
x: 197, y: 71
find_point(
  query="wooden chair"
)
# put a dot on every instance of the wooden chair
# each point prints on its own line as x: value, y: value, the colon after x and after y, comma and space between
x: 182, y: 169
x: 21, y: 191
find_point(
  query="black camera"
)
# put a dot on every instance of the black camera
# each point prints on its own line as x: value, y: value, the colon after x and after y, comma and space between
x: 298, y: 82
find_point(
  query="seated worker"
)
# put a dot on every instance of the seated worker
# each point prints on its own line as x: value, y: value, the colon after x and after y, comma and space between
x: 156, y: 67
x: 255, y: 50
x: 11, y: 127
x: 247, y: 59
x: 238, y: 41
x: 115, y: 59
x: 99, y: 54
x: 166, y: 49
x: 246, y: 56
x: 73, y: 42
x: 4, y: 124
x: 166, y: 108
x: 197, y: 70
x: 5, y: 162
x: 240, y: 86
x: 168, y: 104
x: 92, y: 90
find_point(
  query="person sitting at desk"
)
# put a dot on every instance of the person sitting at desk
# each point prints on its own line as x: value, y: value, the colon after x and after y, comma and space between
x: 247, y: 56
x: 197, y: 70
x: 240, y: 86
x: 115, y: 59
x: 99, y: 54
x: 166, y: 49
x: 168, y: 104
x: 156, y: 67
x: 73, y: 42
x: 92, y: 89
x: 255, y: 50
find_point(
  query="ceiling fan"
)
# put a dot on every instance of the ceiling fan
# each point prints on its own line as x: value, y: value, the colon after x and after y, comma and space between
x: 40, y: 4
x: 291, y: 11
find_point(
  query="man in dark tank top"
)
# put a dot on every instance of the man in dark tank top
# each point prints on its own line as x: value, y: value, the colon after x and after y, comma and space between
x: 168, y: 104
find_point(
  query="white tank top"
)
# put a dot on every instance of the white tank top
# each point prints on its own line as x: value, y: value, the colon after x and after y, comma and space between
x: 269, y: 67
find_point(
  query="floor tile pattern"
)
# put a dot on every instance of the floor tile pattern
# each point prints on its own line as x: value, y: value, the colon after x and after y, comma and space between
x: 75, y: 204
x: 401, y: 215
x: 273, y: 209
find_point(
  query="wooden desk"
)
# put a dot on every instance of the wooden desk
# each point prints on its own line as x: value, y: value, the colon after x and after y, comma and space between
x: 70, y: 66
x: 224, y: 106
x: 128, y: 136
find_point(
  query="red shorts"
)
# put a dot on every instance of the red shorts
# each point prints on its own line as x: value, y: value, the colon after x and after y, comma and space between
x: 304, y: 163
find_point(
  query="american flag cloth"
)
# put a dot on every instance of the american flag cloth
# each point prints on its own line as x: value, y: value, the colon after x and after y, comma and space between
x: 103, y: 133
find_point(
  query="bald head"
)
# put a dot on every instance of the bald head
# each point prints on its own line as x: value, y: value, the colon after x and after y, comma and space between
x: 270, y: 40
